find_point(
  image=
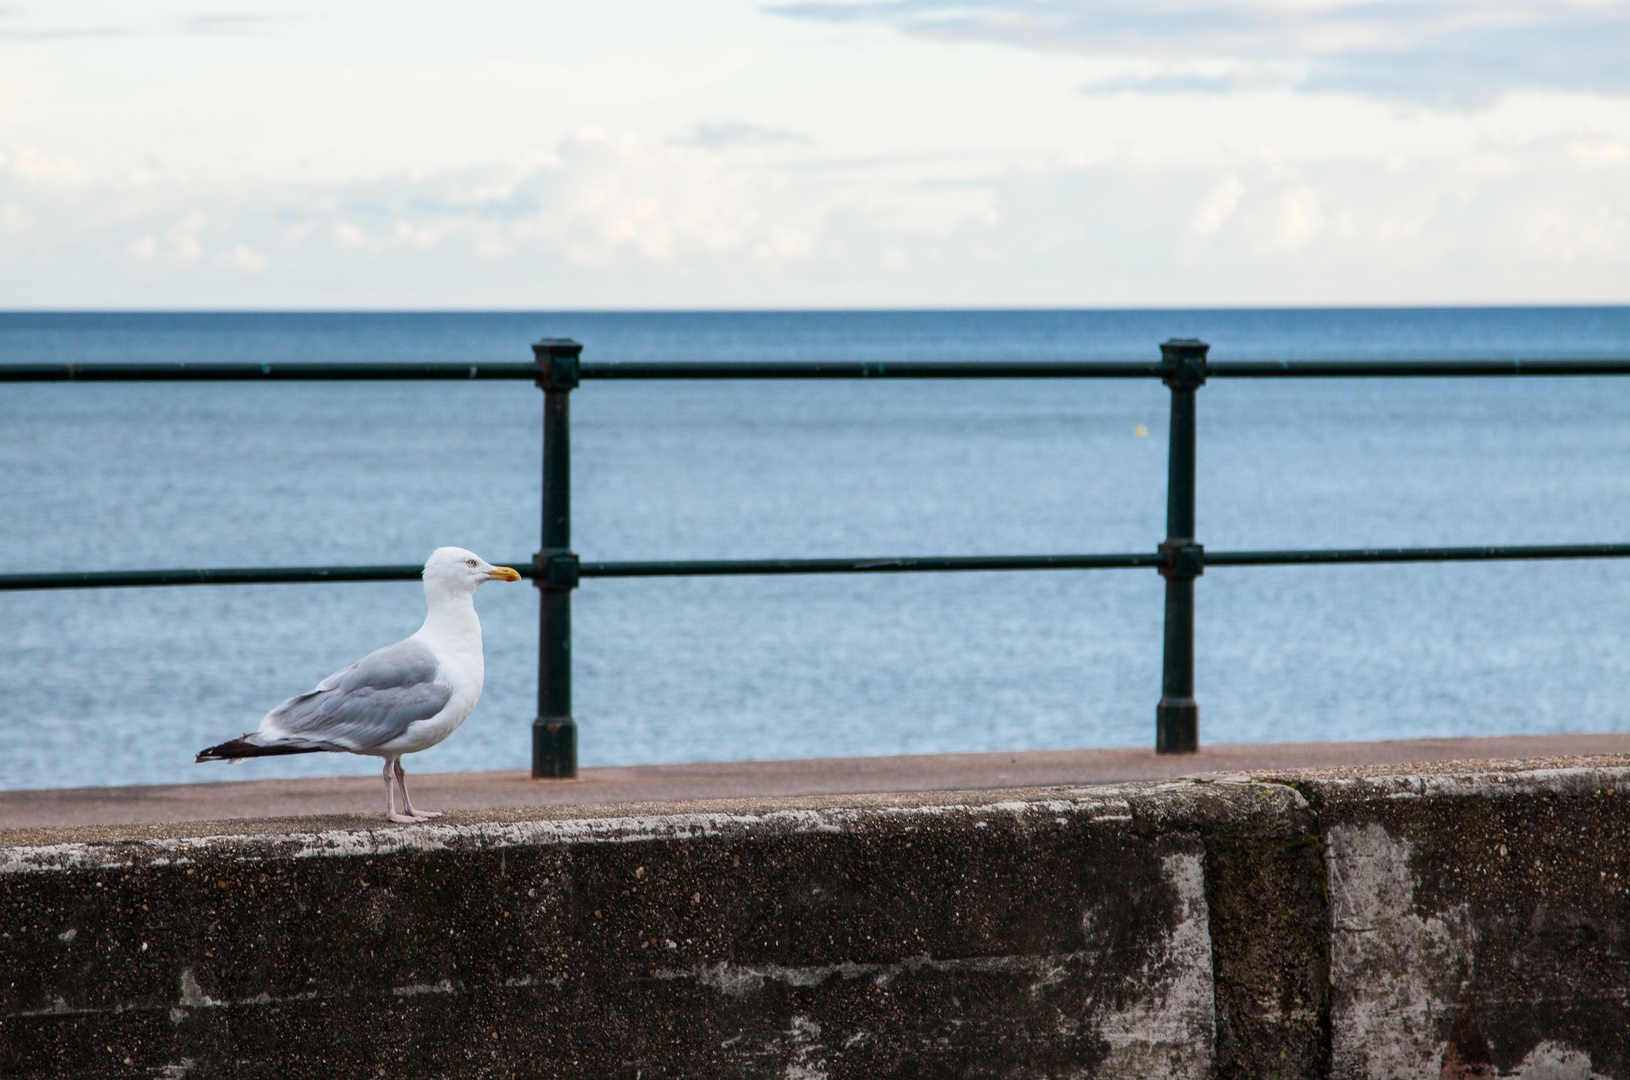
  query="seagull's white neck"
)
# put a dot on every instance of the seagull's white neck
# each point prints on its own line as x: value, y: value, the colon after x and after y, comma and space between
x: 451, y: 623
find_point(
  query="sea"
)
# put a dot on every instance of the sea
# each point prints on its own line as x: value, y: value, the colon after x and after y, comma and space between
x: 123, y: 686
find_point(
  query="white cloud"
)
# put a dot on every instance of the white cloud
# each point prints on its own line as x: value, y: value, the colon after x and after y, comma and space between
x: 1218, y: 205
x: 348, y: 235
x: 787, y: 243
x: 184, y: 237
x: 618, y: 197
x: 1557, y: 234
x: 245, y: 258
x: 420, y: 236
x: 34, y: 167
x: 615, y: 220
x: 1300, y: 218
x: 1598, y: 151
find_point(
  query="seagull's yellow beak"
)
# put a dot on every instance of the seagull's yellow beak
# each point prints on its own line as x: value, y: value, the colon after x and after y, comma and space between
x: 503, y: 573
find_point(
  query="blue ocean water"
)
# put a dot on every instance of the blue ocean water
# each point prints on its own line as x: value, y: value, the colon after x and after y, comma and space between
x: 123, y: 686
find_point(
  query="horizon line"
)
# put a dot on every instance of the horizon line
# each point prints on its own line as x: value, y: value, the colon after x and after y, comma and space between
x: 779, y: 310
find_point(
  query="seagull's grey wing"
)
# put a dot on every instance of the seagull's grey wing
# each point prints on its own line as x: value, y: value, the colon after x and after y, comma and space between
x: 364, y: 705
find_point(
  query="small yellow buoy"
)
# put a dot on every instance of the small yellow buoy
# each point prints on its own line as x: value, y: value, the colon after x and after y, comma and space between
x: 1140, y: 431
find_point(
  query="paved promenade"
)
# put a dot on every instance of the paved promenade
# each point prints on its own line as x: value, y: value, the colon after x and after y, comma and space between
x: 747, y: 779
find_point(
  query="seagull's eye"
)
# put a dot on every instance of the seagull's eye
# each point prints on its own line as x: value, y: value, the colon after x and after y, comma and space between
x: 469, y: 562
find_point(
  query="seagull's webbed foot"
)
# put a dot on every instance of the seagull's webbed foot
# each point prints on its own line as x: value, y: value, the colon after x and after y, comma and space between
x: 393, y: 777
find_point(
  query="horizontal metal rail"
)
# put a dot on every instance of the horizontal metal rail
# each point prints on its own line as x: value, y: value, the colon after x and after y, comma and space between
x: 183, y: 371
x: 233, y: 575
x: 1114, y: 561
x: 1390, y: 369
x: 902, y: 565
x: 278, y: 575
x: 875, y: 369
x: 1092, y: 369
x: 1496, y: 553
x: 800, y: 369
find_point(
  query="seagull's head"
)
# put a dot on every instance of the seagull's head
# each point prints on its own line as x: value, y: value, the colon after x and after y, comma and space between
x: 459, y: 572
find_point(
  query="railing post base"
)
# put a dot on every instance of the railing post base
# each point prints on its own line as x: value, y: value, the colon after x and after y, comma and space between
x: 554, y: 748
x: 1177, y: 727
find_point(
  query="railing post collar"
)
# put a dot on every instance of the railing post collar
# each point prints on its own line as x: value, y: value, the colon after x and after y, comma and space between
x: 557, y: 571
x: 1186, y: 363
x: 558, y: 363
x: 1184, y: 560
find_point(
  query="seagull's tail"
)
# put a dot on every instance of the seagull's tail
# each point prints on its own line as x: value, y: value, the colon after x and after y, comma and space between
x: 240, y: 748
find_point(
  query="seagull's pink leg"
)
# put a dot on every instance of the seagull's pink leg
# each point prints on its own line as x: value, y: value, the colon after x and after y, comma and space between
x: 415, y: 815
x: 393, y: 770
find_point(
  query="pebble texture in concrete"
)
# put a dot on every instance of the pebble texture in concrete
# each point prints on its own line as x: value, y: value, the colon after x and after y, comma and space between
x: 1455, y: 923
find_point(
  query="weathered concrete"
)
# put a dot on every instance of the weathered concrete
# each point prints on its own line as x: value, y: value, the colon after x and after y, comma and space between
x: 1480, y: 923
x: 249, y: 798
x: 1044, y: 934
x: 1456, y: 922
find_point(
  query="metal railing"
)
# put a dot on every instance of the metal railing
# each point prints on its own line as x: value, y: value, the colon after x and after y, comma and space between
x: 558, y: 369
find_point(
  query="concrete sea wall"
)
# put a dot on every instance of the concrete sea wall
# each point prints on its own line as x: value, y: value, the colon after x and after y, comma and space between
x: 1448, y: 924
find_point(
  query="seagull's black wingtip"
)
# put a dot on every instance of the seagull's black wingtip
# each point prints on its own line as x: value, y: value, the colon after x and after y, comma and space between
x: 242, y: 748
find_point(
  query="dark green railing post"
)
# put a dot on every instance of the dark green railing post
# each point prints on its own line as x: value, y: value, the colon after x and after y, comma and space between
x: 554, y: 732
x: 1177, y: 717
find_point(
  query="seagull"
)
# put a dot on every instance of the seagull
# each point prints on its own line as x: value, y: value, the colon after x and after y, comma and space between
x: 397, y: 700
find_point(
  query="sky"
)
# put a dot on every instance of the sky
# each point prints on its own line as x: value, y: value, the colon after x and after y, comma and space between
x: 626, y: 154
